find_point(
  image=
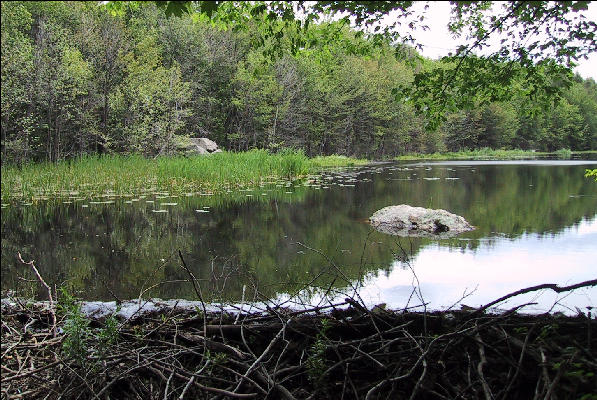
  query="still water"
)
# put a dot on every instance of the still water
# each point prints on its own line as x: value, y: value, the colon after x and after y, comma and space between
x: 536, y: 222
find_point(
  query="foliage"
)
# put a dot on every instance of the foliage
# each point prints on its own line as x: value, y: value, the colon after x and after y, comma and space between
x: 337, y: 161
x: 108, y: 334
x: 542, y: 61
x: 80, y: 79
x: 591, y: 173
x: 76, y: 329
x: 564, y: 154
x: 78, y: 334
x: 316, y: 363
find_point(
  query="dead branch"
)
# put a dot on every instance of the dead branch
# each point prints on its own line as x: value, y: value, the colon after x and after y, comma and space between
x: 52, y: 311
x: 552, y: 286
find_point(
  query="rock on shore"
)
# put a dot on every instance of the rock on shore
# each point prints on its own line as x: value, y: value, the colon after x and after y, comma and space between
x: 192, y: 146
x: 405, y: 220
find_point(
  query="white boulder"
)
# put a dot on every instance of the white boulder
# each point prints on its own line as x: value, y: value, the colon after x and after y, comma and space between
x: 405, y: 220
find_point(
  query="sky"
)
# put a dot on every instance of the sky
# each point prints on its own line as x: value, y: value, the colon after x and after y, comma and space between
x: 437, y: 41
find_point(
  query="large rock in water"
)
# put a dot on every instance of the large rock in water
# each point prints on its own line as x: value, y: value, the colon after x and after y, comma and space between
x: 404, y: 220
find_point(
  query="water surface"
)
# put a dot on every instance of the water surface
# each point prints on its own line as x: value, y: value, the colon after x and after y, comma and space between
x: 536, y: 223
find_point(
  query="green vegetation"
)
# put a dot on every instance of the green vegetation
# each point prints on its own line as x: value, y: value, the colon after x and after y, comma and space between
x: 117, y: 175
x: 337, y: 161
x: 316, y: 362
x: 487, y: 153
x: 564, y: 154
x: 78, y: 333
x: 80, y: 79
x: 76, y: 329
x: 591, y: 173
x: 461, y: 80
x: 467, y: 154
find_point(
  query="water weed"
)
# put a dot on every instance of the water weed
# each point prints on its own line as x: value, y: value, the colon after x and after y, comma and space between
x: 469, y: 154
x: 119, y: 175
x: 564, y: 154
x: 337, y: 161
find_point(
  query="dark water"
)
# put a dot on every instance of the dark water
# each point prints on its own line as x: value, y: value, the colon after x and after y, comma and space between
x: 536, y: 223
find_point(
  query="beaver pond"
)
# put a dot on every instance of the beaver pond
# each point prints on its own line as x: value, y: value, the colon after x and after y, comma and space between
x: 536, y: 222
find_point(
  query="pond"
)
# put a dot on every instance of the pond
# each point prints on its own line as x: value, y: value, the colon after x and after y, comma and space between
x: 536, y: 222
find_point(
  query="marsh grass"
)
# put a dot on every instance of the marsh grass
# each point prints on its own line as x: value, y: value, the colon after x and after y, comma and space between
x: 337, y: 161
x: 564, y: 154
x: 117, y: 175
x: 468, y: 154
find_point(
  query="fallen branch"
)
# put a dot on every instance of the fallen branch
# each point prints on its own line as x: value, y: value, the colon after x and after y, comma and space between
x: 552, y: 286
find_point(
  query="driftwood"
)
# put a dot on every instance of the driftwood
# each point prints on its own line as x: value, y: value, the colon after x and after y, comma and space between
x: 343, y: 351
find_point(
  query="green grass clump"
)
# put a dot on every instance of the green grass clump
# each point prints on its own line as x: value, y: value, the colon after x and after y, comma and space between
x: 224, y: 170
x: 336, y: 161
x: 564, y: 154
x: 95, y: 176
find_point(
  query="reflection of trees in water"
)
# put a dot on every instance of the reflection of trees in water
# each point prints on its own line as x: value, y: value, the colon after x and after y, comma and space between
x: 245, y: 241
x: 504, y: 201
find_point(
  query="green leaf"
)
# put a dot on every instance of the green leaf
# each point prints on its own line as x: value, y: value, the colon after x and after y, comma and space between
x: 178, y: 8
x: 209, y: 7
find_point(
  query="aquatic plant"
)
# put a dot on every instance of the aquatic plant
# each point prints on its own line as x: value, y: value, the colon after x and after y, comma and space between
x: 118, y: 175
x: 337, y: 161
x: 564, y: 154
x: 469, y: 154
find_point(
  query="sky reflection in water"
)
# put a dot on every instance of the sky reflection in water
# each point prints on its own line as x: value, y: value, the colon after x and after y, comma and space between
x: 493, y: 270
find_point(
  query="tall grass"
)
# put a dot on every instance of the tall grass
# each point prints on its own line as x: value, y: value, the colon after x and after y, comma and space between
x: 337, y: 161
x: 134, y: 174
x: 467, y: 154
x: 564, y: 154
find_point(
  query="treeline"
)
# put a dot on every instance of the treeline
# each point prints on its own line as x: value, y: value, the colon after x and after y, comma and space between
x: 78, y: 80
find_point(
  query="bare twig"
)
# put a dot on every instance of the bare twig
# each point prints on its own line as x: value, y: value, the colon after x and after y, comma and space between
x: 52, y: 311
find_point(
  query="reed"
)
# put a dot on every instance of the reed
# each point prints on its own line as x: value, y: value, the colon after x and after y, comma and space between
x: 486, y: 153
x: 337, y: 161
x: 564, y: 154
x: 133, y: 174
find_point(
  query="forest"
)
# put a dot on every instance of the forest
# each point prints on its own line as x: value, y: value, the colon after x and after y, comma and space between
x: 133, y: 268
x: 80, y: 79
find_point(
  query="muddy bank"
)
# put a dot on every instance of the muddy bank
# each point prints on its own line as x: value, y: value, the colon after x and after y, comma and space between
x: 338, y: 351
